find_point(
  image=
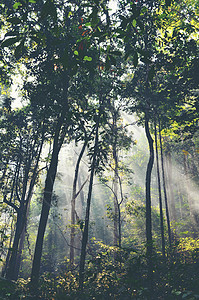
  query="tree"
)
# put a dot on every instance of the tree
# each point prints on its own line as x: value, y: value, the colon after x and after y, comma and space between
x: 20, y: 172
x: 57, y: 48
x: 160, y: 193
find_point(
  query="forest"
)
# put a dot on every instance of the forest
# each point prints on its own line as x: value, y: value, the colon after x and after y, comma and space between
x: 99, y: 149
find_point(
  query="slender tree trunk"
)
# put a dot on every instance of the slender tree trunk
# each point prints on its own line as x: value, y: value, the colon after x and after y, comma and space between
x: 116, y: 210
x: 12, y: 271
x: 21, y: 243
x: 73, y: 215
x: 85, y: 231
x: 119, y: 212
x: 82, y: 198
x: 171, y: 199
x: 60, y: 133
x: 164, y: 188
x: 50, y: 179
x: 116, y: 178
x: 119, y: 227
x: 149, y: 245
x: 160, y: 195
x: 21, y: 216
x: 4, y: 270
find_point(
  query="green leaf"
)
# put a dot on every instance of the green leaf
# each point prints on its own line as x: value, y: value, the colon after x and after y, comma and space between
x: 177, y: 293
x: 76, y: 52
x: 32, y: 1
x: 10, y: 42
x: 144, y: 9
x: 87, y: 24
x: 16, y: 5
x: 134, y: 23
x: 87, y: 58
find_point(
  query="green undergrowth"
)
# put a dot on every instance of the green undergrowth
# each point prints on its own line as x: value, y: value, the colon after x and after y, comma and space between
x: 119, y: 274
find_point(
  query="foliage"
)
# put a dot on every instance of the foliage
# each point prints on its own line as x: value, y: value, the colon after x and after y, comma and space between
x: 120, y: 276
x: 80, y: 67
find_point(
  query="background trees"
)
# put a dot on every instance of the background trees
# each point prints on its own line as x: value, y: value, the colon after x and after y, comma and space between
x: 89, y: 77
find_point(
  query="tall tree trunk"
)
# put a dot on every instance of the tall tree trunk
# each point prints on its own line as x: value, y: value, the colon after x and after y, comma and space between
x: 50, y: 179
x: 86, y: 224
x: 116, y: 181
x: 73, y: 215
x: 117, y: 203
x: 164, y: 188
x: 149, y: 245
x: 160, y: 195
x: 60, y: 133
